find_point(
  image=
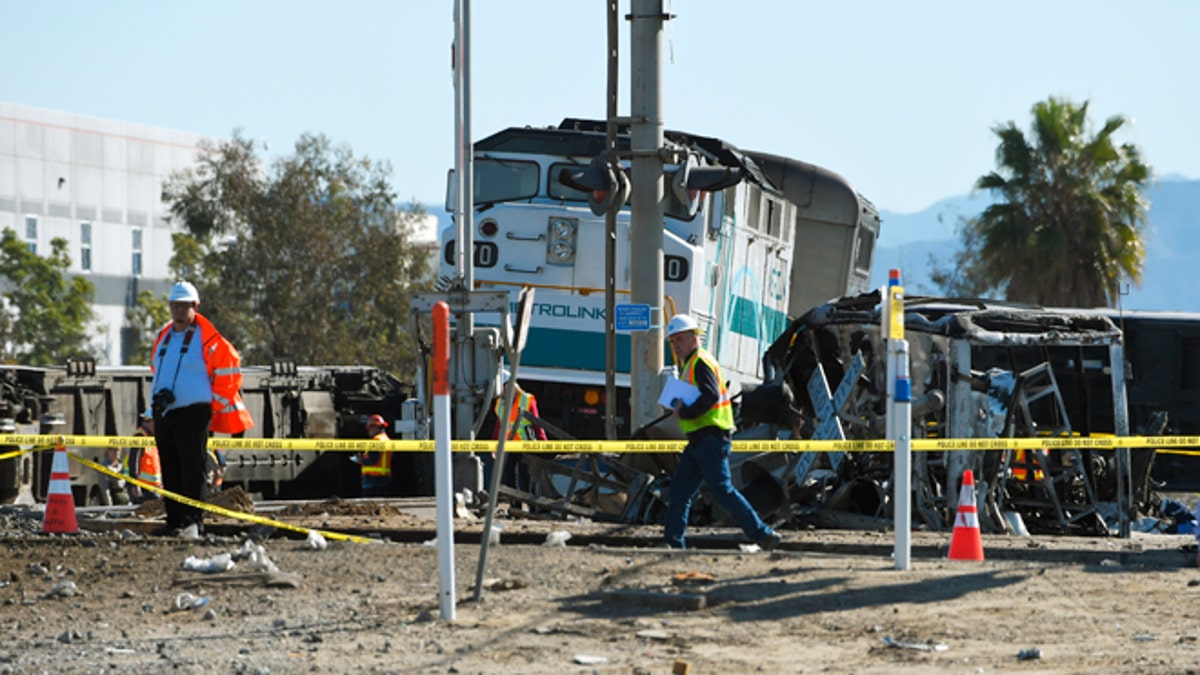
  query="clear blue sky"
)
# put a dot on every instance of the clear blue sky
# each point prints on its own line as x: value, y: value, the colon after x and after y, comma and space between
x: 898, y: 97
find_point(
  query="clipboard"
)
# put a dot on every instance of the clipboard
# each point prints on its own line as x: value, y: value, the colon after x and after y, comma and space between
x: 676, y: 388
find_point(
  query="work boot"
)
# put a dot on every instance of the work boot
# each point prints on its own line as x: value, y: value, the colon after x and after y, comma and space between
x: 770, y: 542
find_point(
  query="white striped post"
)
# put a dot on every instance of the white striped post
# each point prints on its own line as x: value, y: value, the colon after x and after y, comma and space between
x: 443, y: 480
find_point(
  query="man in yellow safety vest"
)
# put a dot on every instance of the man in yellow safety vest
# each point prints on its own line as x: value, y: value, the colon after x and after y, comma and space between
x: 708, y: 424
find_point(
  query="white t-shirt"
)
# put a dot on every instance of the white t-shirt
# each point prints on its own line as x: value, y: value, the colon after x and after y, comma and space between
x: 183, y: 372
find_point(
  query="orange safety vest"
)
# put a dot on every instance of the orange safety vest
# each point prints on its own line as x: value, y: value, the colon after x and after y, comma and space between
x: 148, y: 469
x: 382, y: 466
x: 229, y: 414
x: 519, y: 428
x: 1020, y: 473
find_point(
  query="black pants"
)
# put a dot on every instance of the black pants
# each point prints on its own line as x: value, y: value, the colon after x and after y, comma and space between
x: 182, y: 439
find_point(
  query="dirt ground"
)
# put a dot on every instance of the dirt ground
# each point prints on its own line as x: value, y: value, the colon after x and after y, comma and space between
x: 827, y: 601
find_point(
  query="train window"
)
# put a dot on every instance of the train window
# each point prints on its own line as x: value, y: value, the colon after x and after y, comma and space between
x: 753, y: 205
x: 774, y: 218
x: 557, y: 190
x: 673, y: 208
x: 500, y: 180
x: 730, y: 214
x: 866, y: 249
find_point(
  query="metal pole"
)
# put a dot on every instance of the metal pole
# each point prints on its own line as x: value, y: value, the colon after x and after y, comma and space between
x: 899, y: 418
x: 464, y: 212
x: 646, y: 222
x: 610, y: 237
x: 510, y: 390
x: 1125, y: 503
x: 900, y: 410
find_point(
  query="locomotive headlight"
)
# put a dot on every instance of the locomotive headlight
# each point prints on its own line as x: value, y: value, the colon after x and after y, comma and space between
x: 561, y: 228
x: 561, y: 252
x: 560, y: 246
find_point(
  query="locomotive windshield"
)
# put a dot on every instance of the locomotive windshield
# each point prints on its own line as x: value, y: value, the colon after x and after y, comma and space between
x: 503, y: 180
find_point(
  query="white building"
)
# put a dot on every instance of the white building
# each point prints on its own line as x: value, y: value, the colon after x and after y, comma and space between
x: 98, y: 184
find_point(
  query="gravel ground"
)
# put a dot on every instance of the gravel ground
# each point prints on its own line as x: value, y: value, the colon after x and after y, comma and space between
x: 828, y: 601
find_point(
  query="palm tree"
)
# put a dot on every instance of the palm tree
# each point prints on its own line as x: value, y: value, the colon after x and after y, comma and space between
x: 1068, y: 224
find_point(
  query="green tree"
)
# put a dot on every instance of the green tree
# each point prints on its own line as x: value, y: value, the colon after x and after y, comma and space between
x: 146, y: 318
x: 45, y: 317
x: 1067, y: 226
x: 311, y: 261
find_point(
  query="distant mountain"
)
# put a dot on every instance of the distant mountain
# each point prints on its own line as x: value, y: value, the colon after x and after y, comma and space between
x: 907, y: 240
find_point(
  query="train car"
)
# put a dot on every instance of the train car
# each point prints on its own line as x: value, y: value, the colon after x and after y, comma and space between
x: 1162, y: 351
x: 742, y: 260
x: 285, y: 401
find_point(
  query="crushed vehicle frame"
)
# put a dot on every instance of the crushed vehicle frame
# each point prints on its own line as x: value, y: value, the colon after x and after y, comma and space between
x: 979, y: 369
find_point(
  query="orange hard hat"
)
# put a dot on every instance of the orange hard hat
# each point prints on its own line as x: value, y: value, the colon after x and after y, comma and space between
x: 376, y: 420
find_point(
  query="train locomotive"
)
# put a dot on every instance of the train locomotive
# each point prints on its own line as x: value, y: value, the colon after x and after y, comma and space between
x: 743, y: 258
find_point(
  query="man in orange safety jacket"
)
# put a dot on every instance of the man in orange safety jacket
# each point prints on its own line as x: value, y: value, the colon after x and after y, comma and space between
x: 196, y: 389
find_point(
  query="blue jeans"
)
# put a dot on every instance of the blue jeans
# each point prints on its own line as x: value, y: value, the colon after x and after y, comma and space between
x: 706, y: 459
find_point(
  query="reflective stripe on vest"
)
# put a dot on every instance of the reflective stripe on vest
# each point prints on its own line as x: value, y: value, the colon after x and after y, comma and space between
x: 1020, y: 473
x: 721, y: 414
x: 148, y: 467
x: 518, y: 426
x: 382, y: 466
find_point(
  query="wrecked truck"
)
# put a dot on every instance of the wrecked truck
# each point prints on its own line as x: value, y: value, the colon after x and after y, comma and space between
x: 979, y: 369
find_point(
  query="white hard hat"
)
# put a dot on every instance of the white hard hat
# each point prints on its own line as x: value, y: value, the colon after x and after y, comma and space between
x: 681, y: 323
x: 183, y: 292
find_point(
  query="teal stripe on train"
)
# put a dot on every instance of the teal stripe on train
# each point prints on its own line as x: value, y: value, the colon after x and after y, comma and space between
x: 583, y: 350
x: 743, y: 320
x: 574, y: 349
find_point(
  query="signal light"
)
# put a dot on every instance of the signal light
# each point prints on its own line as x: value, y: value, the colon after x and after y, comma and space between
x: 607, y: 188
x: 692, y: 180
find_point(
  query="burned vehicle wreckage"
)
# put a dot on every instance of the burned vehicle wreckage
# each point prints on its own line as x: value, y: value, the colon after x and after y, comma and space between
x: 979, y: 369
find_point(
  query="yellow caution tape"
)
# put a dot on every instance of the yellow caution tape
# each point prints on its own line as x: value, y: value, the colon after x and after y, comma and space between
x: 17, y: 453
x: 571, y: 447
x: 213, y: 508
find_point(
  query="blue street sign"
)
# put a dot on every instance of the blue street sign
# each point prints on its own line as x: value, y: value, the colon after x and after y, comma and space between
x: 632, y: 317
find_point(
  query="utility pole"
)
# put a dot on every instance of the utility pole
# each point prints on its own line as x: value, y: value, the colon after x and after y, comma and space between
x: 646, y: 222
x: 610, y: 231
x: 464, y: 216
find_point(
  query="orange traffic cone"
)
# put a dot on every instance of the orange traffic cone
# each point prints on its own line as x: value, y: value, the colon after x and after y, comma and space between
x: 965, y: 542
x: 59, y: 517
